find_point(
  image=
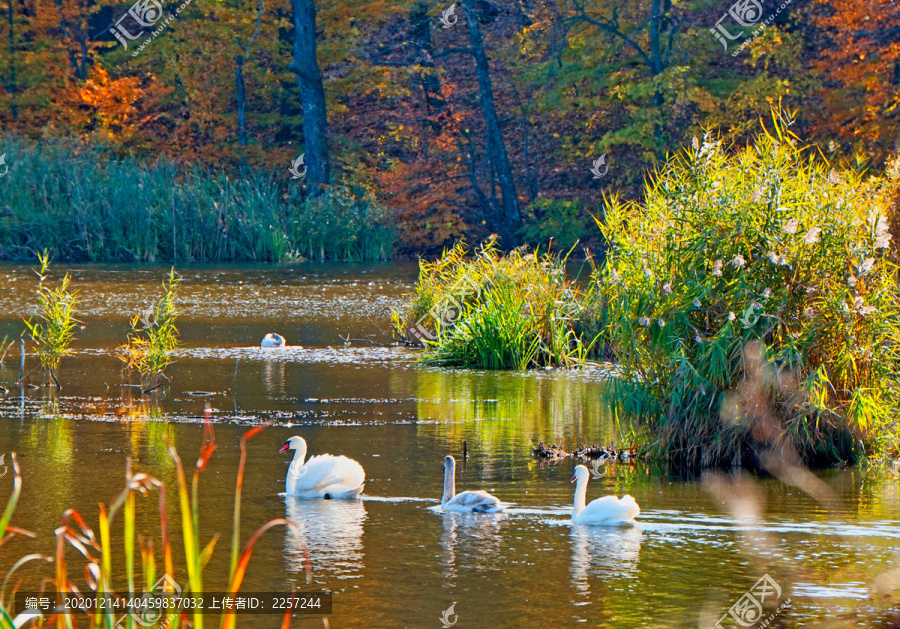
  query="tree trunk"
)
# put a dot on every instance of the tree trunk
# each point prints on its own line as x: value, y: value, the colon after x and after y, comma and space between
x: 239, y: 77
x: 420, y: 32
x: 495, y: 145
x: 241, y: 99
x: 11, y: 85
x: 79, y: 68
x: 312, y: 94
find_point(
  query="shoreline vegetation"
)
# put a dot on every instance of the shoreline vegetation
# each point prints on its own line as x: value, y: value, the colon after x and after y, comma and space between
x: 750, y: 302
x: 499, y: 311
x: 83, y: 203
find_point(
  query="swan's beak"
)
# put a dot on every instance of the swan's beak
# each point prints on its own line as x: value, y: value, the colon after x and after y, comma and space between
x: 574, y: 478
x: 285, y: 448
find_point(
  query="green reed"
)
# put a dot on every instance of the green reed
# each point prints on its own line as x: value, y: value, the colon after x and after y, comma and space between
x: 5, y: 345
x: 54, y: 330
x: 154, y: 336
x: 85, y: 203
x: 752, y: 305
x: 96, y: 548
x: 496, y: 311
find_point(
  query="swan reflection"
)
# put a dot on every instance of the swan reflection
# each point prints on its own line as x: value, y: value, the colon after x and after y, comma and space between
x: 475, y: 536
x: 606, y: 551
x: 330, y: 531
x: 273, y: 377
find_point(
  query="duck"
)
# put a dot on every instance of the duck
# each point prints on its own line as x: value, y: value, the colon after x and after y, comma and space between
x: 605, y: 511
x: 272, y: 340
x: 322, y: 476
x: 478, y: 501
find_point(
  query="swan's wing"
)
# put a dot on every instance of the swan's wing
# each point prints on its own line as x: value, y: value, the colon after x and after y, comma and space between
x: 327, y: 474
x: 632, y: 505
x: 478, y: 500
x: 611, y: 510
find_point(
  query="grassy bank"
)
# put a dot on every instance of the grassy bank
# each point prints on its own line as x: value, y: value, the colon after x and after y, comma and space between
x: 86, y: 204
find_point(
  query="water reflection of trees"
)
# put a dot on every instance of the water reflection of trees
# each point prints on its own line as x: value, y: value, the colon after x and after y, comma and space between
x: 500, y: 406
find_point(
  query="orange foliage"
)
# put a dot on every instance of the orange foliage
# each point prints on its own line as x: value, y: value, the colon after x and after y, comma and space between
x: 105, y: 105
x: 861, y: 71
x: 425, y: 182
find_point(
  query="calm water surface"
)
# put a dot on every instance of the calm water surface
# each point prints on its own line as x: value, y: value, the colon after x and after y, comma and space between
x: 392, y: 559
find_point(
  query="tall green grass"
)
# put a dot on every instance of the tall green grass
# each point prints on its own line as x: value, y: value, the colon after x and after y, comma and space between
x: 153, y: 337
x: 496, y: 311
x: 344, y: 224
x: 753, y: 307
x: 84, y: 203
x: 54, y: 329
x: 5, y: 345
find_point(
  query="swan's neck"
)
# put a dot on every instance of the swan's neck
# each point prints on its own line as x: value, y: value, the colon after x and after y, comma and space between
x: 299, y: 457
x: 580, y: 494
x: 449, y: 484
x: 294, y: 468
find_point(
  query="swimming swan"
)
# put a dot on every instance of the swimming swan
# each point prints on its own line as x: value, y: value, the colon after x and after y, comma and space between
x: 605, y: 511
x: 477, y: 501
x: 323, y: 476
x: 272, y: 340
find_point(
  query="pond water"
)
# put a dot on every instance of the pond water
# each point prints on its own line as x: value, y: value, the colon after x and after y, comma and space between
x: 391, y: 559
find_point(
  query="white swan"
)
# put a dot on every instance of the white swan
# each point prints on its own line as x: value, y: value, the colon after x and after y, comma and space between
x: 479, y: 501
x: 605, y: 511
x: 272, y: 340
x: 323, y: 476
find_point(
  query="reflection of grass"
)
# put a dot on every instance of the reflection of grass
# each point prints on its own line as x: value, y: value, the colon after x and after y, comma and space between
x: 557, y: 407
x: 98, y: 549
x: 52, y: 436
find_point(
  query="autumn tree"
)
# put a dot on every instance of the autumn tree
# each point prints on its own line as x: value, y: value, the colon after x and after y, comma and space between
x: 315, y: 121
x: 859, y: 65
x: 496, y: 147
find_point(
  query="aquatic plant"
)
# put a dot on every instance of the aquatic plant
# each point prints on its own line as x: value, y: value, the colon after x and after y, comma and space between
x: 344, y: 224
x: 752, y: 305
x: 5, y: 346
x: 495, y: 311
x: 53, y: 332
x: 98, y: 549
x: 84, y: 203
x: 154, y: 337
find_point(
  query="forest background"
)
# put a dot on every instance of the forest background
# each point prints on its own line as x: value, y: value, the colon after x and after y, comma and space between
x: 419, y: 123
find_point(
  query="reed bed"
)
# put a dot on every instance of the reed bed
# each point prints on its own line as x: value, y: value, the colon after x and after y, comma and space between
x: 96, y: 548
x: 85, y: 203
x: 495, y: 311
x: 760, y: 278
